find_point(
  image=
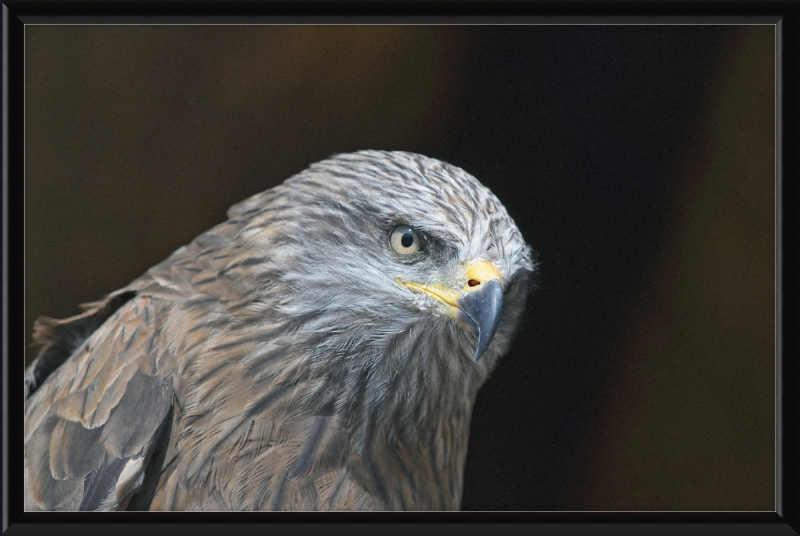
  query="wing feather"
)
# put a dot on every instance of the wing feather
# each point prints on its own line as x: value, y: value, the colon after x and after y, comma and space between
x: 92, y: 426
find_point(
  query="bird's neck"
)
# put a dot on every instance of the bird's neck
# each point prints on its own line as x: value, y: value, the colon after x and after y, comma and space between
x: 408, y: 418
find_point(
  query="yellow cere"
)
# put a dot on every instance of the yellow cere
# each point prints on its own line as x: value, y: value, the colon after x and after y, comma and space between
x: 483, y: 271
x: 478, y: 273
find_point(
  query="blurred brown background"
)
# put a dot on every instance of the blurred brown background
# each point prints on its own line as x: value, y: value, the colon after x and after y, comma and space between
x: 638, y: 161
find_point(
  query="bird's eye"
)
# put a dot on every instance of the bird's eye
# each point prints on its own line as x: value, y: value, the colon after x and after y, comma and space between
x: 404, y: 240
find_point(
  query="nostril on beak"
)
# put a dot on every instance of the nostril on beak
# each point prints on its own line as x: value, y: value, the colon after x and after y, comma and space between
x: 473, y: 282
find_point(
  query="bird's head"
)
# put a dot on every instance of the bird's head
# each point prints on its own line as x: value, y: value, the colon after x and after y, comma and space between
x: 393, y: 255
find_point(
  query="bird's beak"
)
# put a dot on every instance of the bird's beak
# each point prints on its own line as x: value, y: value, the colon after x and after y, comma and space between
x: 476, y: 306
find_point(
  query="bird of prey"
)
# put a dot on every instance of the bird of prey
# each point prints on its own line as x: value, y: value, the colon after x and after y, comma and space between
x: 320, y: 350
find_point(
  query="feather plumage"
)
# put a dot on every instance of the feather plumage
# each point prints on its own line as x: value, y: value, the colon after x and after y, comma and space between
x: 275, y: 363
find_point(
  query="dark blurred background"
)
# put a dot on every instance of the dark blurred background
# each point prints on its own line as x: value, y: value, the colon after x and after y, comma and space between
x: 637, y: 160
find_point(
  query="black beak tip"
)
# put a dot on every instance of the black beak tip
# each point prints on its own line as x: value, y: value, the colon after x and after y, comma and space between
x: 480, y: 311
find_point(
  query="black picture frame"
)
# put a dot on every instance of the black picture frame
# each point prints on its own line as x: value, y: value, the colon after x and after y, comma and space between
x: 784, y: 14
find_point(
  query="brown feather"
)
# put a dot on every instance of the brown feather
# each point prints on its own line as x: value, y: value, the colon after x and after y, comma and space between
x: 274, y: 362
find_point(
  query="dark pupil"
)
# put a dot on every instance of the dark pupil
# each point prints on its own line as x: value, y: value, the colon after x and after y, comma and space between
x: 407, y: 239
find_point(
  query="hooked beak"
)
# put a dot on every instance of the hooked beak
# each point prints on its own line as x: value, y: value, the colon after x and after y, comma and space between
x: 477, y: 306
x: 480, y: 310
